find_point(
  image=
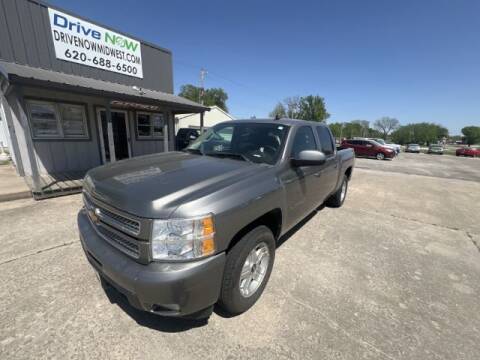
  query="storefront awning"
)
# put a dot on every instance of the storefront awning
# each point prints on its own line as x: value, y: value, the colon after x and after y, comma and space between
x: 27, y: 75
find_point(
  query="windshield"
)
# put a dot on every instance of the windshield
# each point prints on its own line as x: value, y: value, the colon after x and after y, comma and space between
x: 255, y: 142
x: 376, y: 143
x: 380, y: 141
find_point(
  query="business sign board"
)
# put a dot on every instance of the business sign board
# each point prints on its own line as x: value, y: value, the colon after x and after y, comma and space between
x: 85, y: 43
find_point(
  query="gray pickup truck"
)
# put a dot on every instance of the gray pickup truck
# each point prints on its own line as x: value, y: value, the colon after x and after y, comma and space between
x: 179, y: 232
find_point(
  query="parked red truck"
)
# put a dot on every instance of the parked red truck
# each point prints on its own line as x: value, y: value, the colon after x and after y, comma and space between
x: 368, y: 148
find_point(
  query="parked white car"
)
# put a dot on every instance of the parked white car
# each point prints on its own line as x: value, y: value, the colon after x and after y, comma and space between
x: 395, y: 147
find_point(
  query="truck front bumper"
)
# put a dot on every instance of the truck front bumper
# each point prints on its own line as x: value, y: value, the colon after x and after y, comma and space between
x: 168, y: 289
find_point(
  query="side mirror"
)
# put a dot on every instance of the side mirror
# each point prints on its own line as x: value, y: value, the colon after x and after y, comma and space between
x: 309, y: 158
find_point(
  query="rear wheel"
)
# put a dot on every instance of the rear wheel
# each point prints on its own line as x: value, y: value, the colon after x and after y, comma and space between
x: 338, y: 198
x: 247, y: 270
x: 380, y: 156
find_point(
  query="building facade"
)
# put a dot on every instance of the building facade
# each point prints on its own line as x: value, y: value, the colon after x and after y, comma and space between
x: 75, y: 94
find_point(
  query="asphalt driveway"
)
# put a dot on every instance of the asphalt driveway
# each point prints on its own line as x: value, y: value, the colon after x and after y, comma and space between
x: 391, y: 275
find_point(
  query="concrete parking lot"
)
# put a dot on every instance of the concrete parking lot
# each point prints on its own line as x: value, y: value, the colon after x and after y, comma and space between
x: 394, y: 274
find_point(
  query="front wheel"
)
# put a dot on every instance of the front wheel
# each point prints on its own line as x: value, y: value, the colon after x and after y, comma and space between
x: 380, y: 156
x: 338, y: 198
x: 247, y: 270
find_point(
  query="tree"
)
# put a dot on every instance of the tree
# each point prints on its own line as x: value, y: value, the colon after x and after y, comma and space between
x: 278, y: 111
x: 336, y: 129
x: 386, y: 125
x: 311, y: 107
x: 354, y: 128
x: 292, y: 105
x: 472, y: 134
x: 419, y: 133
x: 364, y: 127
x: 211, y: 97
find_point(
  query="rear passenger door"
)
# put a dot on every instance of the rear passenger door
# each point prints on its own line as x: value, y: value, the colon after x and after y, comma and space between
x: 328, y: 177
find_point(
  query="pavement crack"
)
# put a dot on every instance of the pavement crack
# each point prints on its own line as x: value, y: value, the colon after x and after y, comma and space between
x: 37, y: 252
x: 415, y: 220
x: 476, y: 244
x: 469, y: 235
x: 336, y: 326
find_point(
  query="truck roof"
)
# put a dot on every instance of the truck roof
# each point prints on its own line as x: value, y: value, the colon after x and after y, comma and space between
x: 282, y: 121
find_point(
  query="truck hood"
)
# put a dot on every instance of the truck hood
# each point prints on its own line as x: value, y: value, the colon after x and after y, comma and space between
x: 154, y: 186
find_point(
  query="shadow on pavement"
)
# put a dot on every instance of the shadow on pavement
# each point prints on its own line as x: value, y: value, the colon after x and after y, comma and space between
x: 152, y: 321
x: 172, y: 325
x: 297, y: 227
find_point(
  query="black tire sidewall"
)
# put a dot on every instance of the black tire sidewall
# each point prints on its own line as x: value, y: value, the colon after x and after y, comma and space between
x: 345, y: 180
x: 335, y: 200
x: 230, y: 298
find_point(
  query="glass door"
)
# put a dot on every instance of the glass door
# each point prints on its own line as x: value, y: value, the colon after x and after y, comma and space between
x: 114, y: 137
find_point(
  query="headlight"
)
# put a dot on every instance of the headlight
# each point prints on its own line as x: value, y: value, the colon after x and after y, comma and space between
x: 181, y: 239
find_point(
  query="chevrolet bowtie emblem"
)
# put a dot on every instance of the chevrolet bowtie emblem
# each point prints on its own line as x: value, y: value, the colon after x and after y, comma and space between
x: 95, y: 214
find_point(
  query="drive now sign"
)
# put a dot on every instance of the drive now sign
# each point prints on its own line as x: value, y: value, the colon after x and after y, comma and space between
x: 84, y: 43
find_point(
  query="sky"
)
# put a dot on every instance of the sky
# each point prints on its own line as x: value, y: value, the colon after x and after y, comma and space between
x: 409, y: 59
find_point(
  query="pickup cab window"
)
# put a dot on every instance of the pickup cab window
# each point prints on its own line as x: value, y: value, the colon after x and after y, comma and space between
x: 326, y: 143
x: 254, y: 142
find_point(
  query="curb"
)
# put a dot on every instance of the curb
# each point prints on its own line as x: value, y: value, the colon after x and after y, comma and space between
x: 15, y: 196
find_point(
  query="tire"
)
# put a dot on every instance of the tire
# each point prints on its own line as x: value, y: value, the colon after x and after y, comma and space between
x: 231, y: 298
x: 380, y: 156
x: 338, y: 198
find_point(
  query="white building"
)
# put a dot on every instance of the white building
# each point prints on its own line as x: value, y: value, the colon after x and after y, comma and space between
x: 210, y: 118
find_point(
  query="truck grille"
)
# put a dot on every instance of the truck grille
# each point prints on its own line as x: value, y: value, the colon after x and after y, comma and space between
x: 130, y: 226
x: 116, y: 229
x: 126, y: 245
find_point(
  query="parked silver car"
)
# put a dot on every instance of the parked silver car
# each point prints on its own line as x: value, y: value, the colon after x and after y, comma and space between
x: 435, y: 149
x: 413, y: 148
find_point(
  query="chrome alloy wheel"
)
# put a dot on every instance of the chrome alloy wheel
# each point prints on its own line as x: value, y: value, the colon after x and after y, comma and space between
x: 254, y: 270
x: 380, y: 156
x: 343, y: 193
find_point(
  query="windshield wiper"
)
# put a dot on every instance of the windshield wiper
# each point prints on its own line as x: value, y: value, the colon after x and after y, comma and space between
x: 230, y: 155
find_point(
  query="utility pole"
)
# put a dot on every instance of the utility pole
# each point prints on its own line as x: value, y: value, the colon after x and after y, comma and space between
x: 203, y: 74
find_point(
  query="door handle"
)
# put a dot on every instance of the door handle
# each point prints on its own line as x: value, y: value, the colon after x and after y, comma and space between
x: 317, y: 174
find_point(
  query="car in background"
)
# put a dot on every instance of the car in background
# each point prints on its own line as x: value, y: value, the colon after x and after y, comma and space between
x: 468, y: 151
x: 368, y: 148
x: 184, y: 137
x: 435, y: 149
x: 413, y: 148
x: 395, y: 147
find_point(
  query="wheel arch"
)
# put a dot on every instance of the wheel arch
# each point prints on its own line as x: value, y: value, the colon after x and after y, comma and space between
x: 348, y: 172
x: 272, y: 219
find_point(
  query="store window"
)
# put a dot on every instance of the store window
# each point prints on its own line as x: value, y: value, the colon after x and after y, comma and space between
x: 57, y: 120
x: 150, y: 125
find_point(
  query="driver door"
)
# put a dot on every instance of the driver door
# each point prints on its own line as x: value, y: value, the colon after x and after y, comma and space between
x: 300, y: 182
